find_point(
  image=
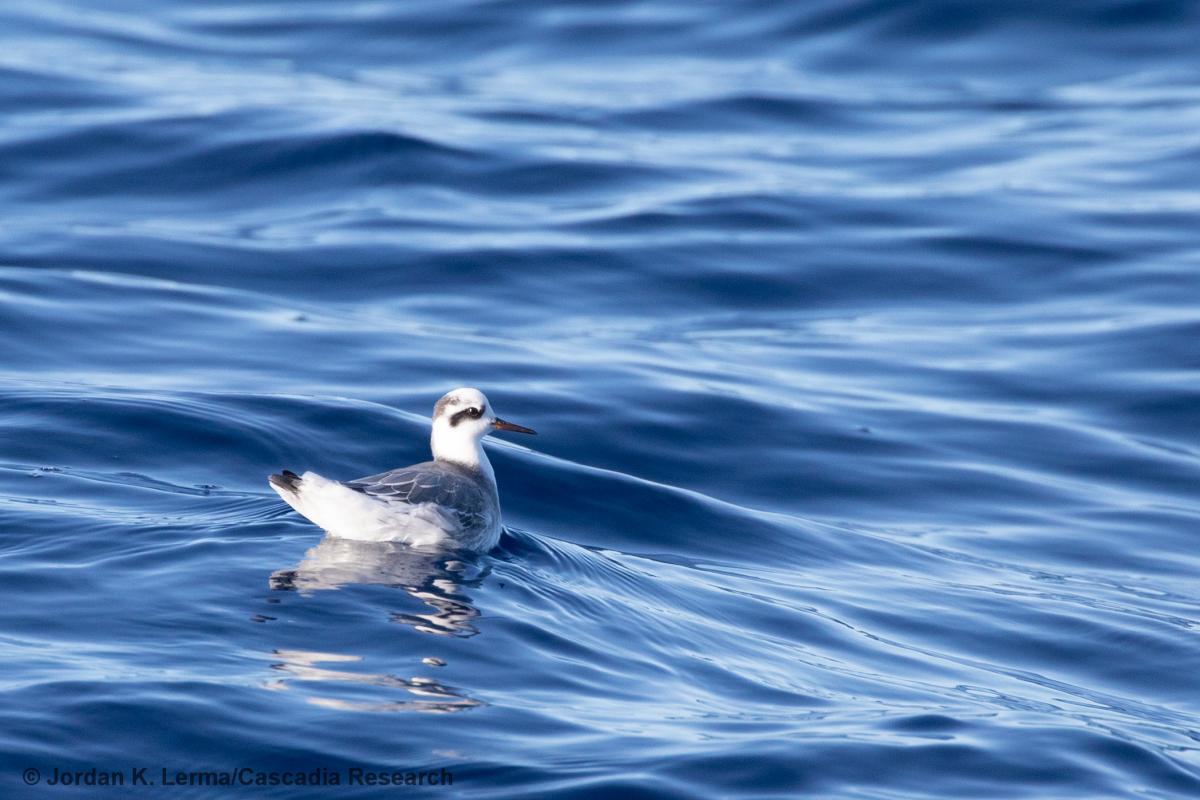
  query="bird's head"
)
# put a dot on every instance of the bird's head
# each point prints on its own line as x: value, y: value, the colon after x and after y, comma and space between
x: 460, y: 419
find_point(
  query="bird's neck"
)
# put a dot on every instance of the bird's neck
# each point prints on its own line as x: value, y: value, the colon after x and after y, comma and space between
x: 465, y: 451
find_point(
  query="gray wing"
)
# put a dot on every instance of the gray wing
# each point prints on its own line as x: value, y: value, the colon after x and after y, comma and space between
x: 430, y: 483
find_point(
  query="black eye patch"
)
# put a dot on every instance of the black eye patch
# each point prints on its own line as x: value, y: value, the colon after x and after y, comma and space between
x: 466, y: 413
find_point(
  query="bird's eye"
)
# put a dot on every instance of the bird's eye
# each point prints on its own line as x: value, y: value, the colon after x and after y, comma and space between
x: 473, y: 413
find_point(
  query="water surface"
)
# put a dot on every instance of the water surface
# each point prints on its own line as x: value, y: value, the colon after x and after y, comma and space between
x: 861, y: 339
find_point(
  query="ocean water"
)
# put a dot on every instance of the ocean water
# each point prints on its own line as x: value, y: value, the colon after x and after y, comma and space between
x: 862, y: 339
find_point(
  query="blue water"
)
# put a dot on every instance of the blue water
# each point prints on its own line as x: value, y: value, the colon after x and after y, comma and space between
x: 862, y: 339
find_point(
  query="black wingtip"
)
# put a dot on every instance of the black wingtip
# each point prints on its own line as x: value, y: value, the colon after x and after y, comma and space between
x: 286, y: 480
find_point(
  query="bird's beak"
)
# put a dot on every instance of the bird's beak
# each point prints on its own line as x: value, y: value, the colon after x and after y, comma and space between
x: 500, y: 424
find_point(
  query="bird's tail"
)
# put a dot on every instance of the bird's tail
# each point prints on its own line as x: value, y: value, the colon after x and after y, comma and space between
x: 286, y: 481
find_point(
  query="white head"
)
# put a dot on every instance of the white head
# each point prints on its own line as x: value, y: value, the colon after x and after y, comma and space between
x: 460, y: 421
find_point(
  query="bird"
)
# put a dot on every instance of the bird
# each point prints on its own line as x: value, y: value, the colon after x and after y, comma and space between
x: 449, y: 502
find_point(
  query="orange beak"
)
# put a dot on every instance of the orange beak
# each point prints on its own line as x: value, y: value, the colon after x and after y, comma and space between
x: 500, y: 424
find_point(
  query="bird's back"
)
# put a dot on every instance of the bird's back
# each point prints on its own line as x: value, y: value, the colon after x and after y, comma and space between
x: 461, y: 494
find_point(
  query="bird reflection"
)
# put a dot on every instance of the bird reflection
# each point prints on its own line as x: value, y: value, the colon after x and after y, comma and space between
x: 436, y: 578
x: 428, y: 695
